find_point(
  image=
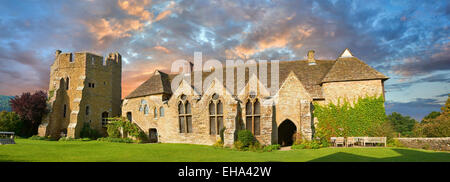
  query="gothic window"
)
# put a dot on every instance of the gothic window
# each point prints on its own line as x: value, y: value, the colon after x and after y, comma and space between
x: 155, y: 112
x: 215, y: 116
x: 161, y: 111
x: 184, y: 116
x: 253, y: 116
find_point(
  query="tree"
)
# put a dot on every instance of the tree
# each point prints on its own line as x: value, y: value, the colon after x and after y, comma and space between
x: 402, y: 124
x: 432, y: 115
x: 10, y: 121
x: 434, y: 125
x: 31, y: 108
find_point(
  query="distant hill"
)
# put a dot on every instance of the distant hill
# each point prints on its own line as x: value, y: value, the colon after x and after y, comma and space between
x: 4, y: 103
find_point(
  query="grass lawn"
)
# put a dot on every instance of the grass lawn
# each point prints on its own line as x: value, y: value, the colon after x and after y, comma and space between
x: 77, y: 151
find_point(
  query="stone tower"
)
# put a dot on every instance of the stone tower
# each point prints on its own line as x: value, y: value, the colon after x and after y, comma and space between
x: 83, y: 88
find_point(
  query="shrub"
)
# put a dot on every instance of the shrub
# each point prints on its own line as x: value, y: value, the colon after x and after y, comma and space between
x: 298, y: 146
x: 115, y: 126
x: 116, y: 140
x: 270, y: 148
x: 238, y: 145
x: 255, y: 147
x: 10, y: 121
x: 246, y: 137
x: 36, y: 137
x: 218, y: 144
x: 394, y: 143
x: 64, y: 139
x: 88, y: 132
x: 309, y: 145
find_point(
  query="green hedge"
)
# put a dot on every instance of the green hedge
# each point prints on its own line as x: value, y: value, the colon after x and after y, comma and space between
x: 341, y: 120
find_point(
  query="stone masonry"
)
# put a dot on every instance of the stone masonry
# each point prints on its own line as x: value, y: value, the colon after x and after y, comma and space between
x: 83, y: 88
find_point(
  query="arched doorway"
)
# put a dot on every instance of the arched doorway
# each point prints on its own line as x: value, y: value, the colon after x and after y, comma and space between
x: 153, y: 135
x: 286, y: 132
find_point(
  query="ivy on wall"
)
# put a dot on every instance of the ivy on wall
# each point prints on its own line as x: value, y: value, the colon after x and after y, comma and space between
x: 367, y: 117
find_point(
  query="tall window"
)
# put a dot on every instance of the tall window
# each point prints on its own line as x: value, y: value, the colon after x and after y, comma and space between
x: 155, y: 112
x: 161, y: 111
x: 253, y: 116
x: 184, y: 115
x: 146, y: 110
x: 215, y: 116
x: 87, y: 110
x: 104, y: 119
x: 143, y: 104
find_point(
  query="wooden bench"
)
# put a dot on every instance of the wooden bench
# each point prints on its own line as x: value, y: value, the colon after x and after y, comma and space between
x: 374, y: 140
x: 6, y: 138
x: 339, y: 141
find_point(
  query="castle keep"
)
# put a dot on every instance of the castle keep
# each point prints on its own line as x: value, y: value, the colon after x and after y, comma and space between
x: 84, y: 88
x: 85, y: 91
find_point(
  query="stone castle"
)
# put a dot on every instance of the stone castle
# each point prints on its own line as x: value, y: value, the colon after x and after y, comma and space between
x: 182, y: 117
x: 83, y: 88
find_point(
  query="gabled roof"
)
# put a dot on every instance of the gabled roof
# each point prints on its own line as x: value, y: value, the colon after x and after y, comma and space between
x: 352, y: 69
x: 158, y: 83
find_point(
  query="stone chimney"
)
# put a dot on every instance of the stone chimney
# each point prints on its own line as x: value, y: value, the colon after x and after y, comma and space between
x: 311, y: 60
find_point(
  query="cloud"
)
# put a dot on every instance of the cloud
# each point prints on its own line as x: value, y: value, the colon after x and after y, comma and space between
x: 162, y: 15
x: 113, y: 29
x: 417, y: 108
x: 434, y: 61
x: 136, y: 8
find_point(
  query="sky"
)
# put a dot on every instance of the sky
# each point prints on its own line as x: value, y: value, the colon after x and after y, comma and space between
x: 408, y: 41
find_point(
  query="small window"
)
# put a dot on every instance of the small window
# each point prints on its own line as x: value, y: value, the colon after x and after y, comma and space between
x: 146, y: 109
x: 92, y: 60
x: 87, y: 110
x: 155, y: 113
x: 161, y: 112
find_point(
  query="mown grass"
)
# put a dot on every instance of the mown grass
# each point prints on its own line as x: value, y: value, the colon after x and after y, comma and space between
x: 90, y: 151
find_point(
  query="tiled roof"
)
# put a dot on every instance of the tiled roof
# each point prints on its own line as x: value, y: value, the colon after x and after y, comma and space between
x: 311, y: 76
x: 351, y: 68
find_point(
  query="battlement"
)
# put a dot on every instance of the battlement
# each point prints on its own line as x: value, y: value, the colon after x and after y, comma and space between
x: 79, y: 59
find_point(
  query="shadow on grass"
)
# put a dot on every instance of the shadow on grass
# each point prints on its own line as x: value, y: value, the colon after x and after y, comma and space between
x: 405, y: 156
x: 2, y: 159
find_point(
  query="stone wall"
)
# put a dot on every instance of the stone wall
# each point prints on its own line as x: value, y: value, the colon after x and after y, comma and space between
x: 83, y: 83
x: 351, y: 90
x: 426, y: 143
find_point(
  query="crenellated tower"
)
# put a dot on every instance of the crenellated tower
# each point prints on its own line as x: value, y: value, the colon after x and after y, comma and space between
x: 84, y: 88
